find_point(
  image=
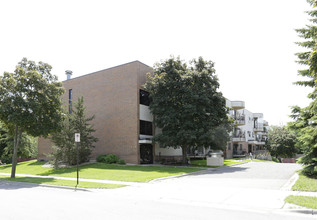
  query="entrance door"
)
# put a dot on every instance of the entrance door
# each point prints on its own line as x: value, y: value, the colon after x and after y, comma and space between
x: 249, y: 148
x: 146, y: 153
x: 235, y: 149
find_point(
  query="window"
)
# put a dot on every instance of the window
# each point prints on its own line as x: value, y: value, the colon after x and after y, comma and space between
x: 229, y: 146
x: 146, y: 128
x: 240, y: 146
x: 144, y: 98
x: 70, y: 98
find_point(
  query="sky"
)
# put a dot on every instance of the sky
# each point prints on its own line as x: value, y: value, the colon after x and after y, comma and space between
x: 251, y: 42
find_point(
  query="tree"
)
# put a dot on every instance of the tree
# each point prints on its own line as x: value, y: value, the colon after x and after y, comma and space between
x: 220, y: 136
x: 281, y: 142
x: 309, y: 57
x: 306, y: 118
x: 306, y: 125
x: 185, y: 103
x: 65, y: 146
x: 27, y: 148
x: 30, y: 102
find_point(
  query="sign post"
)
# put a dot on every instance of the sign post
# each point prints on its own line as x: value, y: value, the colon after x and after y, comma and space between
x: 77, y: 140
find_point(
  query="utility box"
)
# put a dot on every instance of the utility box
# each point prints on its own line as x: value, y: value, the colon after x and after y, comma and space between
x: 215, y: 159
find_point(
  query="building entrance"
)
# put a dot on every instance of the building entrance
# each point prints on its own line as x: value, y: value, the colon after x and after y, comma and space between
x: 146, y: 153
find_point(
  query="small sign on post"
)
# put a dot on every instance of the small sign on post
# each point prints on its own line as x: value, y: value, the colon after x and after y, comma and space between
x: 77, y: 140
x: 77, y: 137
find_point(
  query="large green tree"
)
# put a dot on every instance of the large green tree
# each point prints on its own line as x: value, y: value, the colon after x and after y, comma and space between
x: 281, y: 142
x: 305, y: 122
x: 65, y: 146
x: 186, y: 103
x: 30, y: 102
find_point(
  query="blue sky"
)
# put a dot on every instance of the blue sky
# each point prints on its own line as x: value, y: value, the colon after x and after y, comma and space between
x: 250, y: 41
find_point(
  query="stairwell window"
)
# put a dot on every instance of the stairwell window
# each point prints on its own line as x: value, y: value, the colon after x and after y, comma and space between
x: 146, y: 127
x: 70, y: 101
x: 144, y: 98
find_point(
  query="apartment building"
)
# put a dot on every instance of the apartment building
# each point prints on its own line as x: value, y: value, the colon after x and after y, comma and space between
x: 123, y: 121
x: 250, y: 133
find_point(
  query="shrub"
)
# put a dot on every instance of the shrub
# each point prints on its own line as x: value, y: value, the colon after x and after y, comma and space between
x: 6, y: 160
x: 121, y: 161
x: 101, y: 158
x: 111, y: 158
x: 275, y: 159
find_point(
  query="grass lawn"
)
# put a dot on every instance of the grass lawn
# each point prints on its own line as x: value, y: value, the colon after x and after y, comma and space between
x: 308, y: 184
x: 305, y: 183
x: 101, y: 171
x: 58, y: 182
x: 305, y: 201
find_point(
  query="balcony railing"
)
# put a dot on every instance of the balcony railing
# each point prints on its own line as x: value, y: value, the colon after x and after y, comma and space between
x: 238, y: 136
x: 258, y: 127
x: 261, y: 141
x: 237, y: 105
x: 239, y: 118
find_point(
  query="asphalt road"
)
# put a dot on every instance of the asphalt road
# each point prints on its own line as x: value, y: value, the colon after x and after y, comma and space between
x: 248, y: 191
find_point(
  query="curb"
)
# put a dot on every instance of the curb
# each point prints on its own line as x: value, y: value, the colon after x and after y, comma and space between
x: 290, y: 182
x: 232, y: 165
x: 64, y: 187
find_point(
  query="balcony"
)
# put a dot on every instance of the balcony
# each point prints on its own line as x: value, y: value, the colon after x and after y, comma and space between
x: 240, y: 119
x: 261, y: 142
x: 238, y: 139
x: 257, y: 115
x: 264, y: 133
x: 236, y: 105
x: 238, y: 136
x: 258, y: 127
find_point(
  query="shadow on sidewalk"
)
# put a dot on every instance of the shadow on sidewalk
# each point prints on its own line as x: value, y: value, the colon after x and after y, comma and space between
x: 11, y: 185
x: 219, y: 170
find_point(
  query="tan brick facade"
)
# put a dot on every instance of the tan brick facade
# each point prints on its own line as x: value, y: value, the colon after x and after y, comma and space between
x: 112, y: 95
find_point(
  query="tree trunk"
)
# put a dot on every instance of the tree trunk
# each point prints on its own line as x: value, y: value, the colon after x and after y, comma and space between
x: 17, y: 137
x: 184, y: 152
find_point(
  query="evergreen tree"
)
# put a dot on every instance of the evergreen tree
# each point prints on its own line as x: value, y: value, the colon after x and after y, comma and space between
x: 64, y: 140
x: 306, y: 118
x: 308, y: 58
